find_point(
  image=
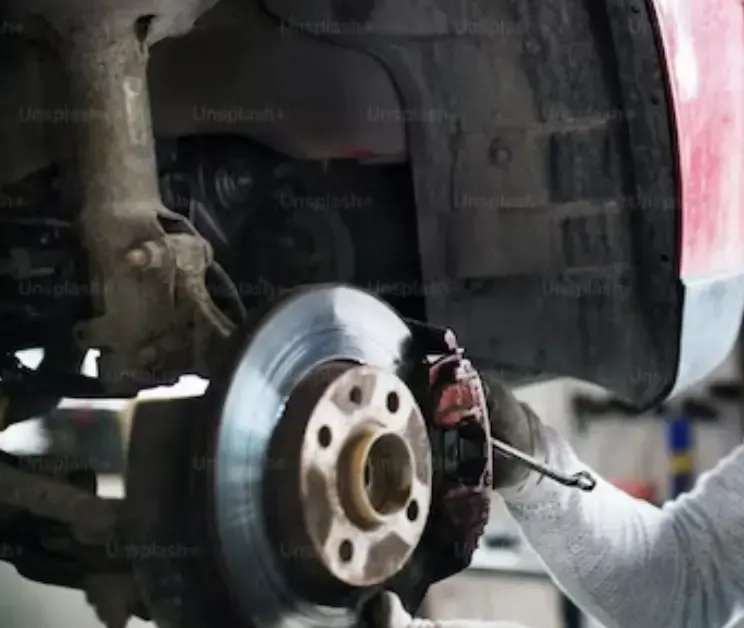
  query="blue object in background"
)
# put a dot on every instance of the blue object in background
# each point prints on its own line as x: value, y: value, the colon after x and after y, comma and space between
x: 680, y: 439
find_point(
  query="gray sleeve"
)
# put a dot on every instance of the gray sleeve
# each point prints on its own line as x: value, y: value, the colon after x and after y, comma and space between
x: 630, y: 564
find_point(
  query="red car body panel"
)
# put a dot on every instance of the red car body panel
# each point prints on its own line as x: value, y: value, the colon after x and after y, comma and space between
x: 703, y: 45
x: 702, y: 48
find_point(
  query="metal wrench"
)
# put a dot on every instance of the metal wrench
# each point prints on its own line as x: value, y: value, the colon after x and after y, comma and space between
x: 582, y: 480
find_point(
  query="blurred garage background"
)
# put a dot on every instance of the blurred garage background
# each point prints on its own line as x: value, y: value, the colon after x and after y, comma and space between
x: 506, y: 581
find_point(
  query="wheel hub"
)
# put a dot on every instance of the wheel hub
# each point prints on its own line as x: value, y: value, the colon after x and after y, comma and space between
x: 364, y: 470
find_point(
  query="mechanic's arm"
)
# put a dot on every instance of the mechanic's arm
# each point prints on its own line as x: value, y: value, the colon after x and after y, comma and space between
x: 626, y: 562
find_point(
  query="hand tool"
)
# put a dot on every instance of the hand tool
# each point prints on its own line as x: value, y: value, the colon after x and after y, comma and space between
x: 582, y: 480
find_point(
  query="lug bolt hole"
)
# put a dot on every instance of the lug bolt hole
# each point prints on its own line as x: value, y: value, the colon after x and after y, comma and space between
x: 324, y: 436
x: 393, y: 402
x: 355, y: 396
x: 346, y: 551
x: 412, y: 512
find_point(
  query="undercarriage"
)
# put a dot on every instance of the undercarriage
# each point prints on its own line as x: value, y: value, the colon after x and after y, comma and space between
x: 295, y: 201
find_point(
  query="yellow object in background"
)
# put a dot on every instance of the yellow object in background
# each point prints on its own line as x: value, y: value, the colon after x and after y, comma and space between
x: 681, y: 463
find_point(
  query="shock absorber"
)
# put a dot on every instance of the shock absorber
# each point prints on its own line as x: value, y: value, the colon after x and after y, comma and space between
x: 153, y: 316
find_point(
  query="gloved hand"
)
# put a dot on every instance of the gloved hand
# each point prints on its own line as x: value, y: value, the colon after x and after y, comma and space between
x: 514, y: 423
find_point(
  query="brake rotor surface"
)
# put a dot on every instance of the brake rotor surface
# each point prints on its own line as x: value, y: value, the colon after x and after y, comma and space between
x: 302, y: 533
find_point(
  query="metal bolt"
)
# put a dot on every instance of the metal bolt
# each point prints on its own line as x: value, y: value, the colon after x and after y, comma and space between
x: 147, y: 255
x: 137, y: 258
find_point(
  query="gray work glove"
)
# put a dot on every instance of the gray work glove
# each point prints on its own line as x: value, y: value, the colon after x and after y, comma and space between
x: 514, y: 423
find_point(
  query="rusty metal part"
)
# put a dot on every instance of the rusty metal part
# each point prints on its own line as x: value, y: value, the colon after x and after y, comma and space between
x: 91, y: 519
x: 212, y: 81
x: 147, y: 282
x: 364, y: 464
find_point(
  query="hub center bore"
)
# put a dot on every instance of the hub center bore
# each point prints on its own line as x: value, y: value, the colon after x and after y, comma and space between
x: 378, y: 466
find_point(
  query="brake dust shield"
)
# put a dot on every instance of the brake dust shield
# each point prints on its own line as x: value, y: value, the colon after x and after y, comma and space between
x: 298, y: 485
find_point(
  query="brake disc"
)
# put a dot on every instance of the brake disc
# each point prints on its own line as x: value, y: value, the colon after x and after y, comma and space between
x: 300, y: 422
x: 319, y: 484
